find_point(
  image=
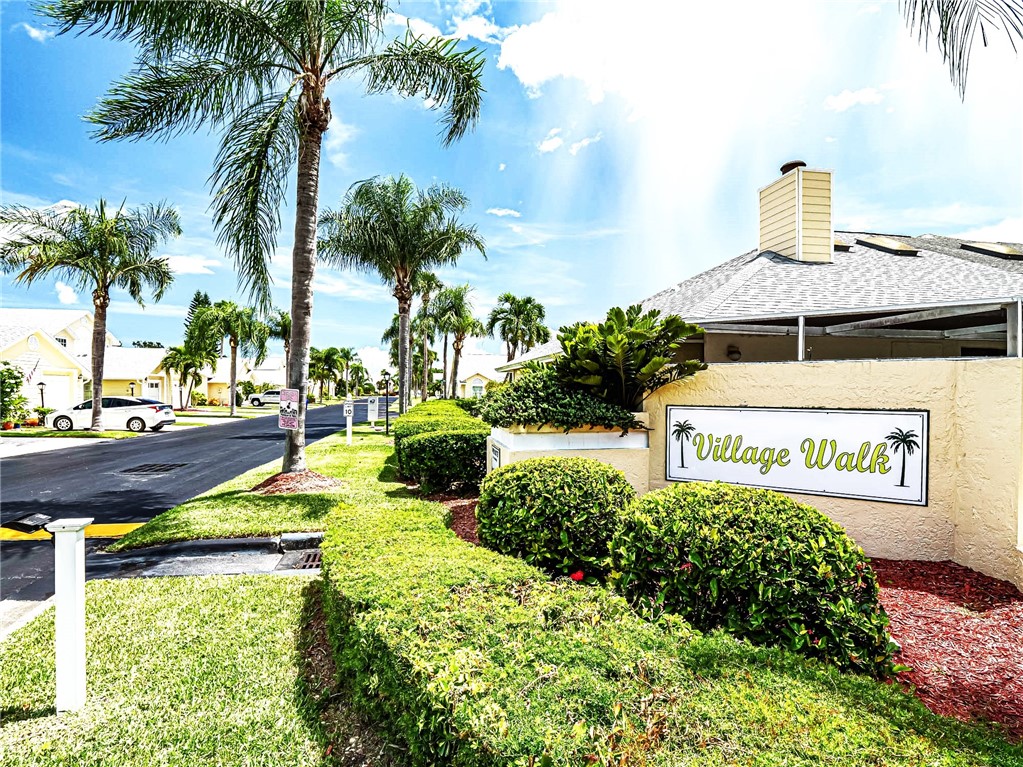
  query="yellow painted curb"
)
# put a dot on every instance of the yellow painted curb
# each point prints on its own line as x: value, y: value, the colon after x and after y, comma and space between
x: 92, y: 531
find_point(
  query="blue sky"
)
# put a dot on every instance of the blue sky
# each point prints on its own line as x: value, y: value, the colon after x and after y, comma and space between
x: 618, y: 152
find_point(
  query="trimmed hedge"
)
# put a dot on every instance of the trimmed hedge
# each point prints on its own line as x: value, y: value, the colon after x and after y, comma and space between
x: 758, y: 564
x: 537, y: 398
x: 440, y: 459
x: 555, y: 513
x: 431, y: 416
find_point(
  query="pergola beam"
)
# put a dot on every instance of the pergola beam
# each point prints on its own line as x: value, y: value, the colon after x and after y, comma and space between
x: 1000, y: 327
x: 920, y: 316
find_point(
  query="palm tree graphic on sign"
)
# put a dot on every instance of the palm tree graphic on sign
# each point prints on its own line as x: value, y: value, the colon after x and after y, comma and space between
x: 906, y: 442
x: 682, y: 431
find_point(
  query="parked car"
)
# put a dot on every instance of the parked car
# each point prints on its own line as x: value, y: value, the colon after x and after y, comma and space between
x: 131, y: 413
x: 271, y: 396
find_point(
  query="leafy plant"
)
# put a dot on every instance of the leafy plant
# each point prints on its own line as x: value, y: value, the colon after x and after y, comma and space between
x: 440, y: 459
x: 757, y: 564
x: 627, y: 357
x: 555, y: 513
x: 11, y: 400
x: 432, y: 416
x: 538, y: 398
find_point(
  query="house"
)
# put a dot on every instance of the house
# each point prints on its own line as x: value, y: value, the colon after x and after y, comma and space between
x: 476, y: 371
x: 53, y: 377
x: 878, y: 377
x: 137, y: 372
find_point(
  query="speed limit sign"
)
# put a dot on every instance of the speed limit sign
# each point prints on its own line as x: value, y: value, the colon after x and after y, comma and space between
x: 349, y: 409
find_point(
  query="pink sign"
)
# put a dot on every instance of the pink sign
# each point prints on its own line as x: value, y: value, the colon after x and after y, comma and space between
x: 288, y: 416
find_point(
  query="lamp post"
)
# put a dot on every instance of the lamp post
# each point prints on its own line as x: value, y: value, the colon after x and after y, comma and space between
x: 131, y: 388
x: 42, y: 394
x: 387, y: 403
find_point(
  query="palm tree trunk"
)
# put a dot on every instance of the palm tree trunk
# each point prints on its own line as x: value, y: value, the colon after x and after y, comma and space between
x: 426, y: 365
x: 444, y: 377
x: 404, y: 295
x: 234, y: 371
x: 902, y: 477
x: 100, y: 302
x: 303, y: 259
x: 457, y: 345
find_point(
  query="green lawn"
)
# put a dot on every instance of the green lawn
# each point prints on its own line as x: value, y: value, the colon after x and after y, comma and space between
x: 230, y: 511
x: 45, y: 431
x: 220, y: 670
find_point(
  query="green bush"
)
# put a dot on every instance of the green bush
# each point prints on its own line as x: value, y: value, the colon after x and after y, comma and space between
x: 198, y: 399
x: 555, y: 513
x: 536, y: 398
x: 758, y: 564
x: 440, y: 459
x: 430, y: 416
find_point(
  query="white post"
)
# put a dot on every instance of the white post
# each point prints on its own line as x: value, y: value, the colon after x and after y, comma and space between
x: 801, y: 351
x: 69, y: 585
x: 349, y: 412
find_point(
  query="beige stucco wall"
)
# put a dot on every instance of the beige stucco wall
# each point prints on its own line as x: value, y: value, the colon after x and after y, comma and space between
x: 976, y: 447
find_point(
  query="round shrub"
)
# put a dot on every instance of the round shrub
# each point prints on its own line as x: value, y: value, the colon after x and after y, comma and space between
x: 555, y: 513
x: 758, y: 564
x: 439, y: 459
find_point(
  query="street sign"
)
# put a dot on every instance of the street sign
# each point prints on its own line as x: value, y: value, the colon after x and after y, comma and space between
x: 349, y: 409
x: 373, y: 411
x: 287, y: 418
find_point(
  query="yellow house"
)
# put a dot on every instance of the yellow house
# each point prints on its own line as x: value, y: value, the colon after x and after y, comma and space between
x: 476, y: 371
x: 136, y: 372
x: 53, y: 378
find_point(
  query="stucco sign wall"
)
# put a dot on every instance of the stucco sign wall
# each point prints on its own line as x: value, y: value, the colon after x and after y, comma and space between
x: 879, y: 455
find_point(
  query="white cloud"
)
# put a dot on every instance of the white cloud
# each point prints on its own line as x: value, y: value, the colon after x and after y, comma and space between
x: 480, y: 28
x: 350, y: 285
x: 501, y: 167
x: 552, y: 142
x: 339, y: 134
x: 830, y: 139
x: 192, y: 264
x: 857, y: 216
x: 504, y: 212
x: 153, y: 310
x: 37, y: 34
x: 1006, y: 230
x: 374, y: 359
x: 419, y: 27
x: 847, y: 99
x: 579, y: 145
x: 66, y: 294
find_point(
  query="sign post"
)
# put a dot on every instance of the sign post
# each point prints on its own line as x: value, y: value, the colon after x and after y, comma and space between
x: 372, y: 405
x: 287, y: 418
x: 349, y: 412
x: 69, y: 587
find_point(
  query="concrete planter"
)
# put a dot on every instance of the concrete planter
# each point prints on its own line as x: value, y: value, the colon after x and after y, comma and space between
x: 629, y: 453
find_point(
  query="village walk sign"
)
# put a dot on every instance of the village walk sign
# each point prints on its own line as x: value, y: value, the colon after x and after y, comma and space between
x: 877, y: 455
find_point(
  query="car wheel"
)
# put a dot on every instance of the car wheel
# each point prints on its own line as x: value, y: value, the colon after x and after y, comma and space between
x: 257, y: 403
x: 136, y: 424
x: 62, y: 424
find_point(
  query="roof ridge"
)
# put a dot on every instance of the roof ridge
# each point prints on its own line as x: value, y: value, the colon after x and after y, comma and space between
x: 728, y: 288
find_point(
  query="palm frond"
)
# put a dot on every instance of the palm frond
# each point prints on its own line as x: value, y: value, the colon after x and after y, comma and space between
x: 250, y: 179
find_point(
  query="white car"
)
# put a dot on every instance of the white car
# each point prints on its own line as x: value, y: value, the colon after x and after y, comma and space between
x: 129, y: 413
x: 259, y: 398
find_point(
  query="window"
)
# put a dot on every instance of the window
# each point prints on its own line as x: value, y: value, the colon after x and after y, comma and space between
x: 62, y: 341
x: 84, y: 406
x: 477, y: 391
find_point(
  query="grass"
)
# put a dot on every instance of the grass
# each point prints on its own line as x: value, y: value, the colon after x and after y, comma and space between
x: 45, y: 431
x: 216, y: 670
x: 186, y: 422
x: 231, y: 511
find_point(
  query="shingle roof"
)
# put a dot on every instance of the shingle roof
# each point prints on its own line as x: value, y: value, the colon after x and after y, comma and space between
x: 766, y: 284
x: 51, y: 321
x: 11, y: 334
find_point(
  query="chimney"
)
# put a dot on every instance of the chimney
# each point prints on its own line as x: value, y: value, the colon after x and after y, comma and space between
x: 795, y: 214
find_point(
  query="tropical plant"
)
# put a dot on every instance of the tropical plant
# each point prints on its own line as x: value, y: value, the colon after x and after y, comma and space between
x: 682, y: 431
x: 627, y: 357
x: 955, y: 23
x: 325, y: 366
x: 389, y: 226
x: 346, y: 357
x: 905, y: 441
x: 12, y: 401
x: 188, y: 360
x: 462, y: 328
x: 426, y: 286
x: 93, y: 251
x: 279, y: 323
x: 519, y: 323
x: 358, y: 377
x: 451, y: 302
x: 259, y: 71
x: 241, y: 327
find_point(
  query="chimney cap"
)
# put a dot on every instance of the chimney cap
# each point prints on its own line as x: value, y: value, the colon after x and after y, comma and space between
x: 792, y: 165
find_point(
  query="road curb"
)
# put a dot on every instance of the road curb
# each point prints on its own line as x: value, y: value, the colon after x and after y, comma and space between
x: 275, y: 545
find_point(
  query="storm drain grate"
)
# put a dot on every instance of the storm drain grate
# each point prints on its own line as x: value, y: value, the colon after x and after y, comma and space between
x: 311, y: 560
x: 153, y: 468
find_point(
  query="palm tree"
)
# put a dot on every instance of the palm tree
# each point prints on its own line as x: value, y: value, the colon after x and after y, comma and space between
x: 682, y: 431
x: 390, y: 227
x: 93, y: 251
x: 279, y: 323
x: 358, y: 377
x: 451, y: 303
x: 906, y: 442
x: 426, y: 286
x: 242, y: 329
x: 347, y: 357
x: 462, y: 324
x: 259, y: 71
x: 189, y: 362
x: 519, y: 323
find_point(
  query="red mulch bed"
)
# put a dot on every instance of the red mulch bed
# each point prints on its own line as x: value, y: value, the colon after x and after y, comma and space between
x: 962, y: 632
x: 296, y: 482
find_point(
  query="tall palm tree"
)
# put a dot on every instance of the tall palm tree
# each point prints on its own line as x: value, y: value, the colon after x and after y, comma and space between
x: 94, y: 251
x: 426, y: 286
x: 388, y: 226
x: 358, y: 377
x: 347, y: 357
x: 462, y: 324
x: 279, y: 323
x: 242, y: 329
x: 452, y: 302
x: 683, y: 432
x: 188, y: 361
x: 519, y: 323
x: 906, y: 442
x: 259, y: 70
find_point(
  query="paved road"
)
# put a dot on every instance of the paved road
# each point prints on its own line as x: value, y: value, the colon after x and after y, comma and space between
x: 91, y: 482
